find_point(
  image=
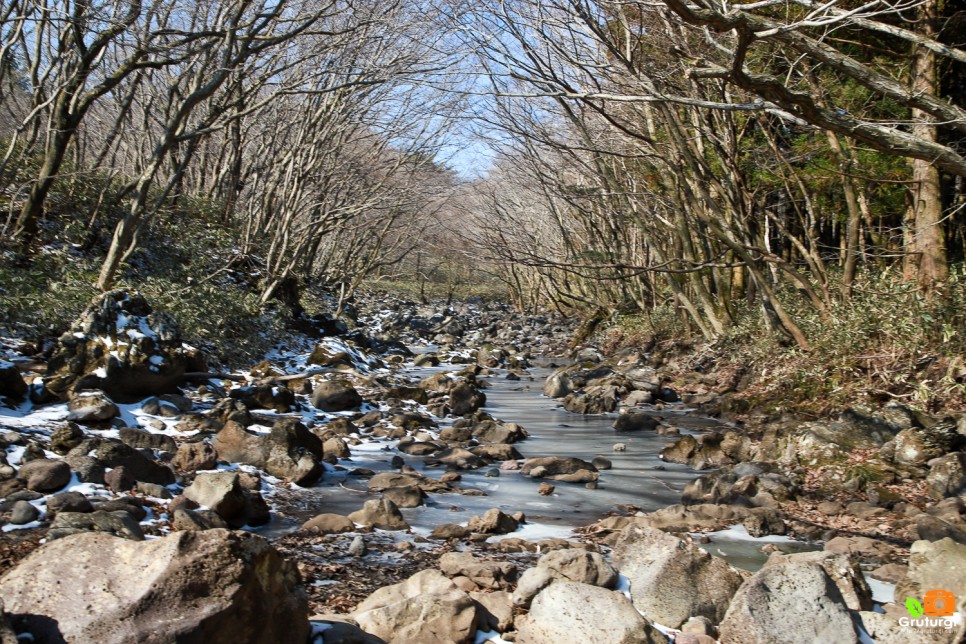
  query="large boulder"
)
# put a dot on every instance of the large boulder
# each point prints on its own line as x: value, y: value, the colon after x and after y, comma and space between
x: 116, y: 454
x: 673, y: 580
x: 558, y: 384
x: 571, y: 612
x: 918, y: 445
x: 796, y: 602
x: 490, y: 431
x: 465, y: 397
x: 841, y: 569
x: 122, y: 347
x: 598, y: 399
x: 211, y: 586
x: 936, y: 565
x: 558, y: 468
x: 117, y: 523
x: 289, y: 451
x: 45, y: 475
x: 427, y: 608
x: 947, y: 476
x: 493, y: 521
x: 572, y: 564
x: 221, y: 493
x: 485, y: 574
x: 91, y: 407
x: 336, y: 395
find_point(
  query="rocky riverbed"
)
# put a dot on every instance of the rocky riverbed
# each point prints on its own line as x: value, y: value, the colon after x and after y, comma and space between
x: 150, y: 496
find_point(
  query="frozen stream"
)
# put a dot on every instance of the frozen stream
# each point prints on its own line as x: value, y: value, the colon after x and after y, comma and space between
x: 638, y: 477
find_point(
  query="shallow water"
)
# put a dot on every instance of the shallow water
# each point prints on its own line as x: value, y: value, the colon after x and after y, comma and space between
x: 638, y: 477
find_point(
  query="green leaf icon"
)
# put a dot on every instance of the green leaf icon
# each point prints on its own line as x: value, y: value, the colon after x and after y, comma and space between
x: 914, y: 607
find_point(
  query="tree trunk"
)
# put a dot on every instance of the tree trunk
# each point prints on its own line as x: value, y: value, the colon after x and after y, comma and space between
x: 925, y: 243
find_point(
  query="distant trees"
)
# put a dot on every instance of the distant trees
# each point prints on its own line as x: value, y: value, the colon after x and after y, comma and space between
x: 301, y: 120
x: 709, y: 152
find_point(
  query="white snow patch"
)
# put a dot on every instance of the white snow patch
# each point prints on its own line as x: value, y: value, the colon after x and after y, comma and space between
x: 489, y: 636
x: 882, y: 592
x: 11, y: 527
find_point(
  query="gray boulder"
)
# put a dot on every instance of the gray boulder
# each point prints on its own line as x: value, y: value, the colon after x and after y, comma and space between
x: 91, y: 407
x: 191, y: 587
x: 557, y: 385
x: 936, y: 565
x: 465, y: 397
x: 673, y: 580
x: 558, y: 468
x: 570, y: 612
x: 485, y: 574
x: 629, y: 421
x: 289, y: 451
x: 380, y: 513
x: 221, y: 493
x: 115, y: 454
x: 947, y: 476
x: 427, y: 608
x: 793, y: 603
x: 493, y: 521
x: 117, y: 523
x: 336, y: 395
x: 45, y: 475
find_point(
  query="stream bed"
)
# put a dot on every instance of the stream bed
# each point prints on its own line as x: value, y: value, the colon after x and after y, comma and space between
x: 638, y: 477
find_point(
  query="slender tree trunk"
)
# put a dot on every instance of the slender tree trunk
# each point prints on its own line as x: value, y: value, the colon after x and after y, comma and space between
x: 925, y: 243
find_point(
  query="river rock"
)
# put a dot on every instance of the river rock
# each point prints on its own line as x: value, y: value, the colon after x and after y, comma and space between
x: 947, y: 476
x: 336, y: 395
x: 465, y: 397
x: 558, y: 468
x: 572, y: 612
x: 68, y: 502
x: 140, y: 439
x: 427, y: 608
x: 289, y: 451
x: 842, y: 569
x: 916, y: 446
x: 672, y: 580
x: 122, y: 347
x: 793, y: 603
x: 195, y: 520
x: 409, y: 496
x: 936, y: 565
x: 192, y: 457
x: 485, y: 574
x: 380, y: 513
x: 116, y: 454
x: 493, y: 521
x: 493, y: 432
x: 91, y: 407
x: 221, y: 493
x: 116, y: 523
x: 45, y: 475
x: 23, y: 512
x: 328, y: 523
x: 593, y: 400
x: 188, y: 587
x: 66, y: 437
x: 557, y: 384
x: 629, y: 421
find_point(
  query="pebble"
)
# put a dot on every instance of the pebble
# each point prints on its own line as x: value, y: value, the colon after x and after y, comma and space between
x: 358, y: 547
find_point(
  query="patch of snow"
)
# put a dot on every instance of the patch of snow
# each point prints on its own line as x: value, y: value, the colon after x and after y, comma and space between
x: 5, y: 364
x: 740, y: 533
x: 79, y: 335
x: 623, y: 586
x: 882, y: 592
x: 318, y: 628
x: 100, y: 372
x: 15, y: 454
x: 11, y: 527
x: 536, y: 532
x: 156, y: 360
x: 489, y: 636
